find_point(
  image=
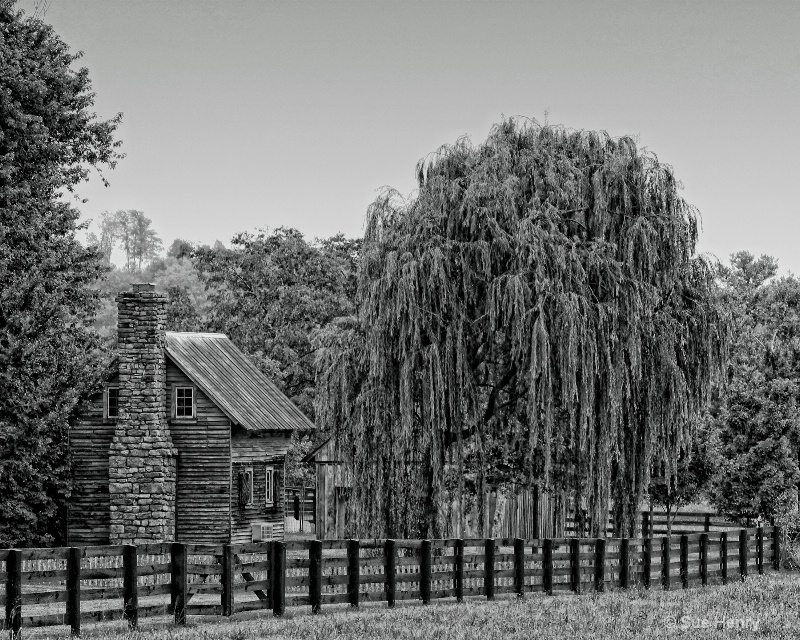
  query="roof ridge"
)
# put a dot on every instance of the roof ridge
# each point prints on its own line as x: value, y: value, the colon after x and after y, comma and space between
x: 207, y: 334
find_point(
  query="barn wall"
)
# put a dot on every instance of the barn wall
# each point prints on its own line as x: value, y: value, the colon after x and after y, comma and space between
x: 89, y: 518
x: 257, y: 451
x: 204, y: 467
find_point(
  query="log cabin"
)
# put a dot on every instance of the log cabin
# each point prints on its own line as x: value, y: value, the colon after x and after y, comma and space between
x: 186, y: 441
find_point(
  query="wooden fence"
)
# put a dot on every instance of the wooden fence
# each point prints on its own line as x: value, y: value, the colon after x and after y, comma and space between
x: 127, y: 582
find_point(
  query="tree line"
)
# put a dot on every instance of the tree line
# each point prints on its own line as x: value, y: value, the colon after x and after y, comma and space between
x: 536, y: 313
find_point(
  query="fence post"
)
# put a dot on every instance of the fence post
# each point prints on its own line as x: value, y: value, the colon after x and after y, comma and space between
x: 723, y: 556
x: 14, y: 593
x: 547, y: 566
x: 624, y: 563
x: 743, y: 553
x: 302, y: 505
x: 458, y: 568
x: 707, y: 523
x: 74, y: 590
x: 685, y: 561
x: 537, y: 530
x: 227, y: 580
x: 600, y: 565
x: 665, y: 560
x: 390, y: 571
x: 644, y: 524
x: 178, y: 582
x: 776, y: 548
x: 488, y: 569
x: 278, y: 578
x: 353, y: 572
x: 575, y: 565
x: 130, y: 590
x: 519, y: 567
x: 425, y: 572
x: 647, y: 561
x: 760, y: 550
x: 704, y: 559
x: 315, y: 575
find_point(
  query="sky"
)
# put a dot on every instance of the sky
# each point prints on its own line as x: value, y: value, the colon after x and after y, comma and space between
x: 247, y: 115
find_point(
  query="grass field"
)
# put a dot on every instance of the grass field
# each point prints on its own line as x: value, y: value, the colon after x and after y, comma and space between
x: 761, y: 607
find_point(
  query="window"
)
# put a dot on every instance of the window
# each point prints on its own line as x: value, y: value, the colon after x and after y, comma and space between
x: 270, y: 484
x: 184, y: 402
x: 112, y: 402
x: 245, y: 486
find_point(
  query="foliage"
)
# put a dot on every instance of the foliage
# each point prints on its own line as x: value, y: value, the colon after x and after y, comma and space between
x: 759, y: 423
x: 693, y: 477
x: 50, y: 141
x: 188, y: 303
x: 131, y: 230
x: 271, y: 292
x: 535, y: 314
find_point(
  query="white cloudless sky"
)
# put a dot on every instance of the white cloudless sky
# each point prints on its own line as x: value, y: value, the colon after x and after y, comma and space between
x: 239, y: 115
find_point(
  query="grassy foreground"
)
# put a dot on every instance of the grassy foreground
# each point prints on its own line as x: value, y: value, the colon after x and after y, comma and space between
x: 761, y: 607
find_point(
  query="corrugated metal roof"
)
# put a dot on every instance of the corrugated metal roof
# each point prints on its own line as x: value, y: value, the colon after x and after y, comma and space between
x: 235, y: 384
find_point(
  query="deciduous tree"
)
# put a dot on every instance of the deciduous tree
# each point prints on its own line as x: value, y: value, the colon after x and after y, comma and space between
x: 536, y: 313
x: 50, y: 141
x: 759, y: 420
x: 270, y: 292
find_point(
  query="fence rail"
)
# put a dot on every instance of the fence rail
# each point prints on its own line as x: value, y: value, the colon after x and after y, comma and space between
x: 130, y: 583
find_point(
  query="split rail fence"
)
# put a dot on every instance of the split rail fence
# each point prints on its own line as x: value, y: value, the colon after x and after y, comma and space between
x: 128, y: 582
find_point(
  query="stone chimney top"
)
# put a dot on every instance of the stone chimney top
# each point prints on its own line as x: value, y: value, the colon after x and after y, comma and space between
x: 144, y: 287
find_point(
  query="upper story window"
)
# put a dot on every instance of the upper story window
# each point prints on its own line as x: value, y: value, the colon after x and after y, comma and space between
x: 112, y: 402
x: 184, y: 402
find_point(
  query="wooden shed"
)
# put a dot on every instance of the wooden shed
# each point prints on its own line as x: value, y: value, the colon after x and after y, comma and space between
x: 332, y: 492
x: 186, y: 441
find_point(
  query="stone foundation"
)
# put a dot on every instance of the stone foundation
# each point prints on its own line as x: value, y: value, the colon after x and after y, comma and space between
x: 142, y: 455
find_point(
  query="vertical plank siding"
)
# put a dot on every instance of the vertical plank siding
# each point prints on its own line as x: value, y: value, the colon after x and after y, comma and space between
x: 526, y: 513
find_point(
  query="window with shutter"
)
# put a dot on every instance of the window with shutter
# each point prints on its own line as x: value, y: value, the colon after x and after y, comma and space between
x: 245, y: 481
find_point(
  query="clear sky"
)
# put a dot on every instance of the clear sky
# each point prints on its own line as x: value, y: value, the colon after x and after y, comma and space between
x: 240, y: 115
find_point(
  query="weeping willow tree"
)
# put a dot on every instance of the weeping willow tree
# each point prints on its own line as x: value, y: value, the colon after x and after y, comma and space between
x: 535, y: 314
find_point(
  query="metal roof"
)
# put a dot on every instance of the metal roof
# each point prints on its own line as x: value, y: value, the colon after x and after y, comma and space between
x: 235, y: 384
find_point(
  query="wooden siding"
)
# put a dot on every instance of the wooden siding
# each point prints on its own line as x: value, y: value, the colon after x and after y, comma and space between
x: 89, y: 519
x: 204, y: 468
x: 207, y: 508
x: 257, y: 451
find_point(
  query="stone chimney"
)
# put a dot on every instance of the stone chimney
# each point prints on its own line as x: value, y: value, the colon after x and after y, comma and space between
x: 142, y: 457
